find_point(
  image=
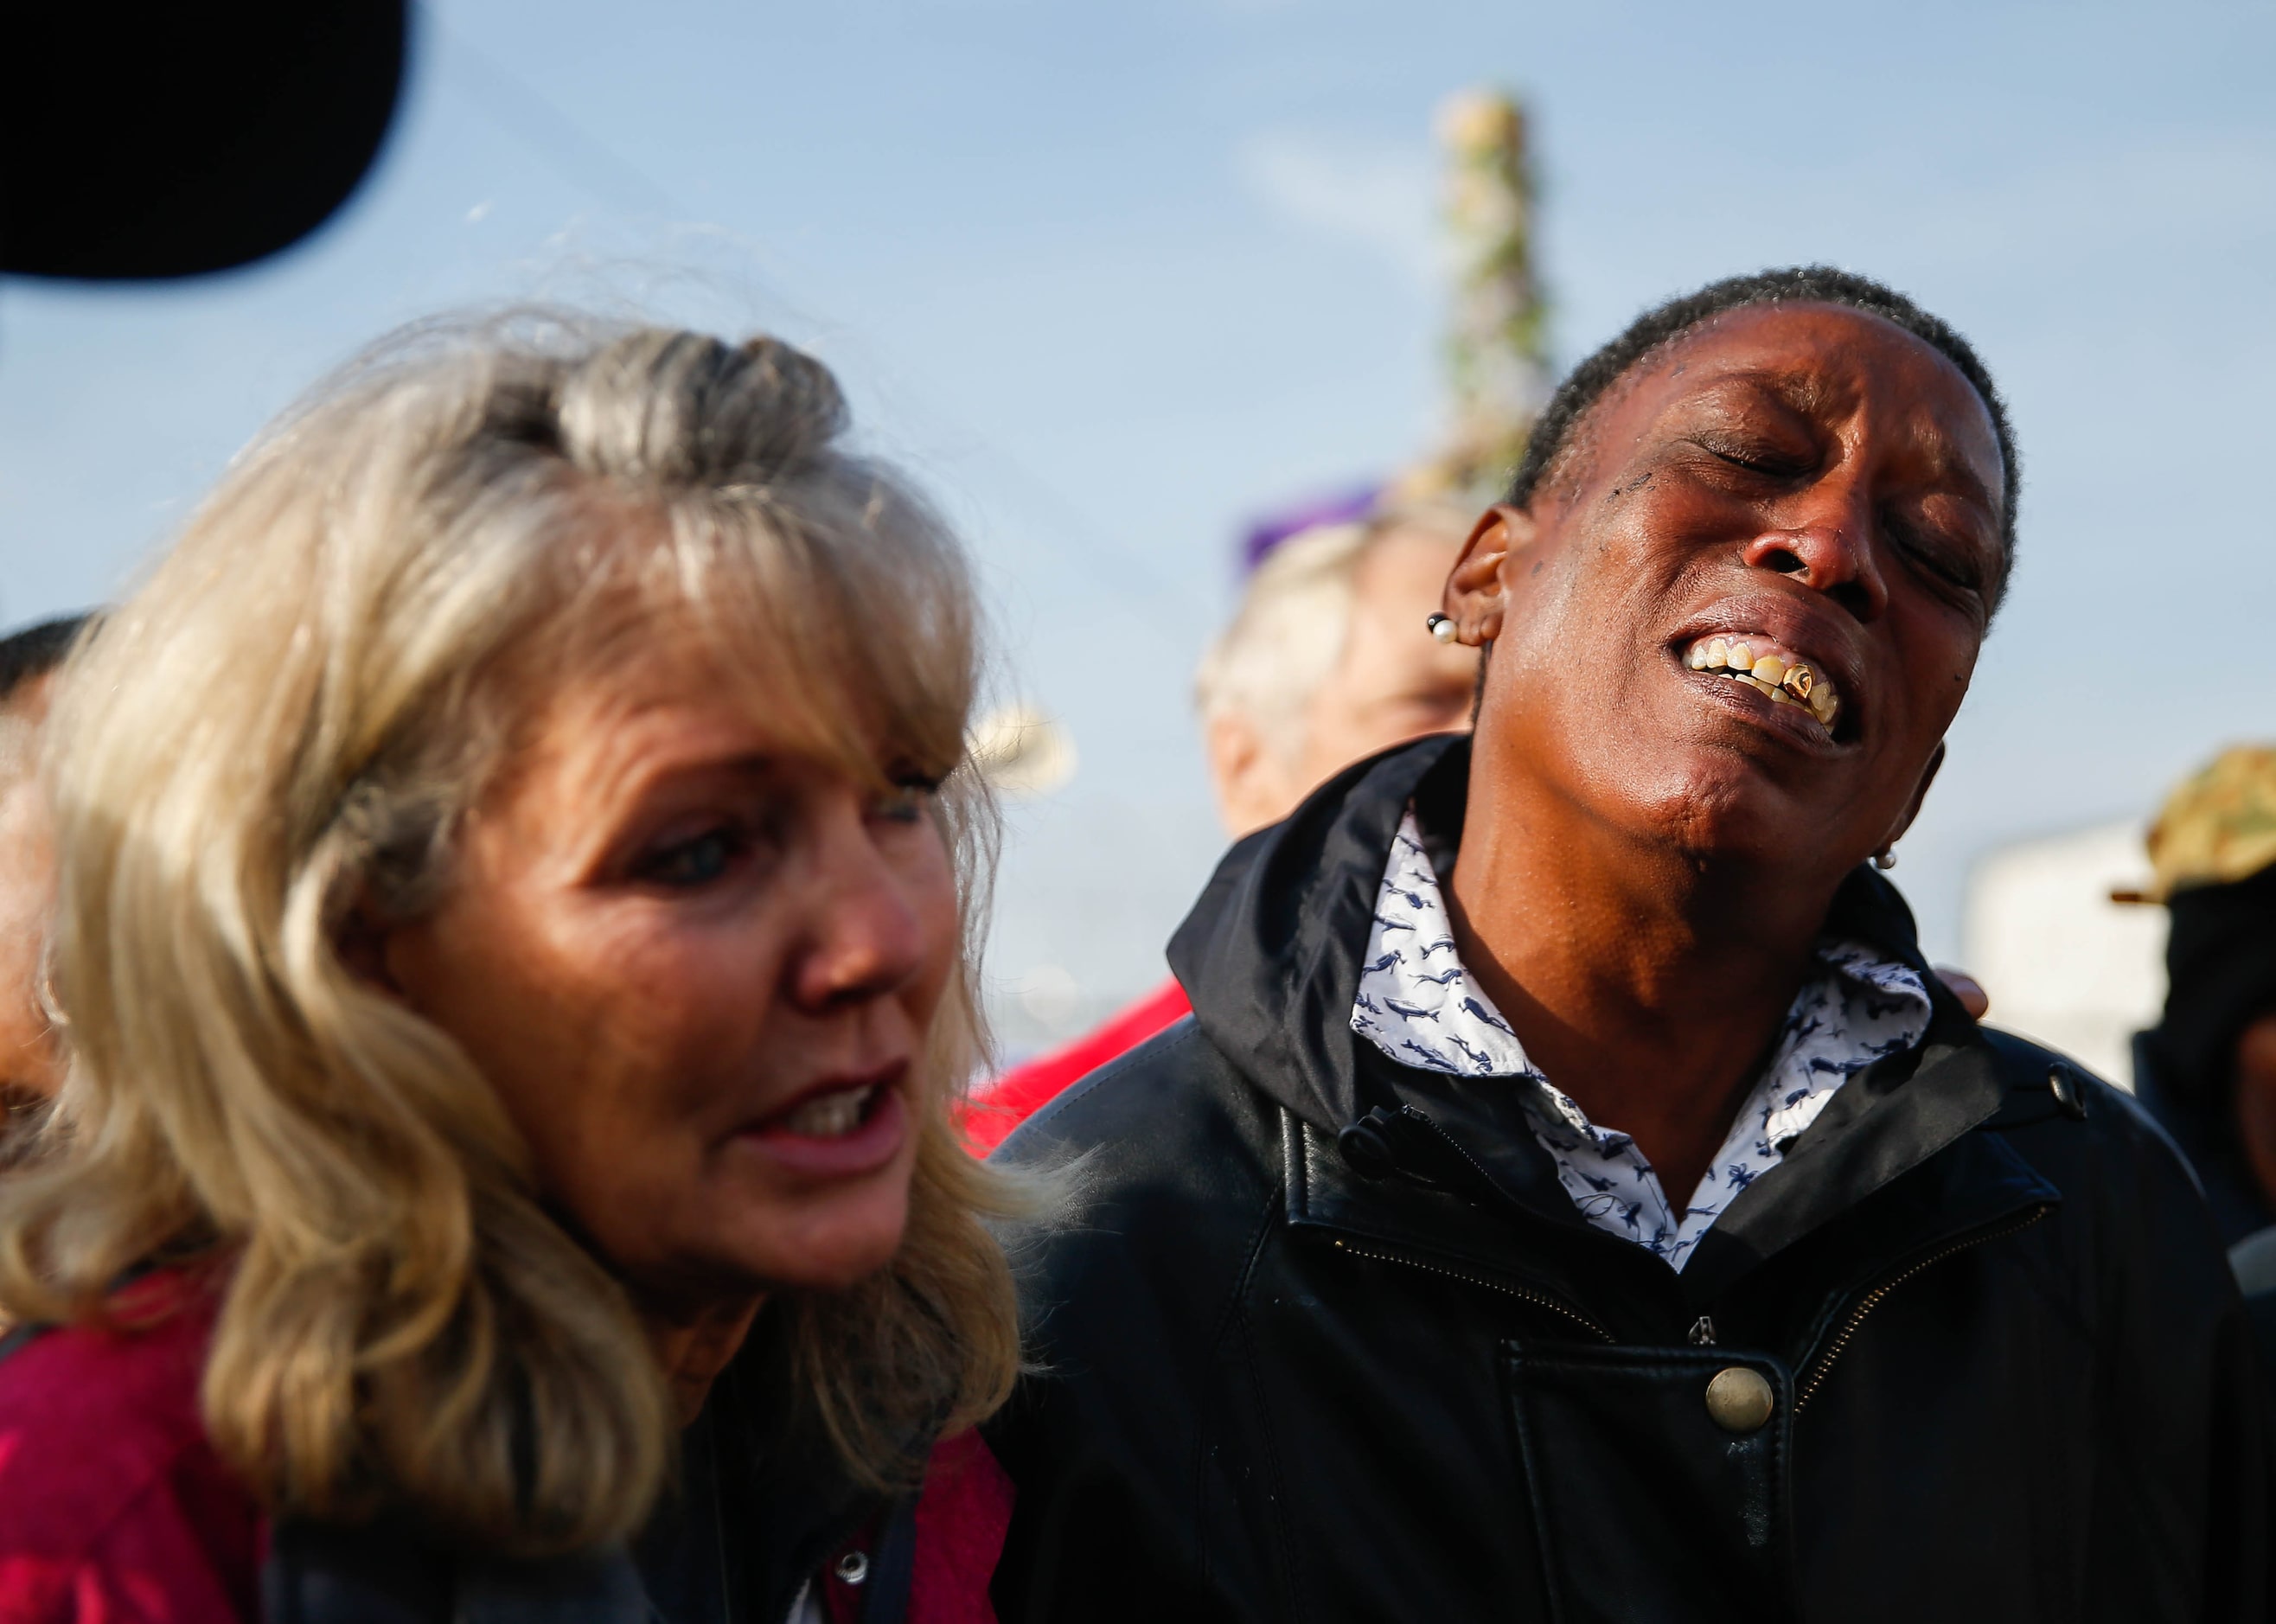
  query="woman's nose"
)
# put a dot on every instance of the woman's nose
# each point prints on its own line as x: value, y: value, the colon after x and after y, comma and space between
x: 865, y: 938
x: 1830, y: 558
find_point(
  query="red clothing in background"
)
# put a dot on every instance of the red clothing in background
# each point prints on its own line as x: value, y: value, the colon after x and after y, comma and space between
x: 999, y: 1106
x: 961, y: 1519
x: 114, y: 1508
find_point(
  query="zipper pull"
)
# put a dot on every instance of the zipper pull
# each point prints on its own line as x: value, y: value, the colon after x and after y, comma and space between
x: 1703, y: 1333
x: 1365, y: 1145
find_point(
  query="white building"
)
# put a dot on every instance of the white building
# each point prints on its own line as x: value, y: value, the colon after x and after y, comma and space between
x: 2064, y: 964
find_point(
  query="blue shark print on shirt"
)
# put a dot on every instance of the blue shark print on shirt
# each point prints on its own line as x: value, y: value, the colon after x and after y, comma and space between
x: 1859, y: 1008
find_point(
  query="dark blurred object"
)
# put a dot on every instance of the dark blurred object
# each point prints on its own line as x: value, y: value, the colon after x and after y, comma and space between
x: 2204, y: 1071
x: 2221, y: 964
x: 151, y: 140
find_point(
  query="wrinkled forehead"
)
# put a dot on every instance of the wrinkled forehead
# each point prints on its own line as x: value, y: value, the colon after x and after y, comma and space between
x: 658, y: 624
x: 680, y: 661
x: 1831, y: 363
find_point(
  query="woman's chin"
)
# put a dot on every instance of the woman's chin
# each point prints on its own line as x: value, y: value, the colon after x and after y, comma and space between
x: 752, y: 1241
x: 836, y: 1245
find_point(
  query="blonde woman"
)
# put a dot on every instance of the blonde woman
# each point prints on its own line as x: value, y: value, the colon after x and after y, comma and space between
x: 515, y: 888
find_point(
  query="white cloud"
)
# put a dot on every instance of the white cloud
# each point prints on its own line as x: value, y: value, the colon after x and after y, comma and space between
x: 1378, y: 194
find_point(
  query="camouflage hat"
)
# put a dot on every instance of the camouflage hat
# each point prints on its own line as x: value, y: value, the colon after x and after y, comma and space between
x: 2218, y: 827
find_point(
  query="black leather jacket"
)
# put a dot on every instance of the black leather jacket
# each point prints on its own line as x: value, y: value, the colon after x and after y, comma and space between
x: 1301, y: 1369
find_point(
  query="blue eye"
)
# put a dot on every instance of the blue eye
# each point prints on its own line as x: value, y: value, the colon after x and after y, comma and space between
x: 697, y: 861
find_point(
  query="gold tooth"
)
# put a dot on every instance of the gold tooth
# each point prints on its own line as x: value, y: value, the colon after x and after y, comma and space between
x: 1771, y: 676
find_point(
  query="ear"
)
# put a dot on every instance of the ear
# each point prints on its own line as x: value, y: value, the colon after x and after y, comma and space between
x: 1476, y: 595
x: 1920, y: 794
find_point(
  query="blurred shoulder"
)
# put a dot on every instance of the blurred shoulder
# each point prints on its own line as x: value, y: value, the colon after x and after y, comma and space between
x: 1172, y: 1118
x: 107, y: 1478
x: 2127, y: 1189
x: 2059, y: 1108
x: 1168, y: 1167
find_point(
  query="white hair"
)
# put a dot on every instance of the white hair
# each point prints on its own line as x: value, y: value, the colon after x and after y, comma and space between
x: 1289, y: 633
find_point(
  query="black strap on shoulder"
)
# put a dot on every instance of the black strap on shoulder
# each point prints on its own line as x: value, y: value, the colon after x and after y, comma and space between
x: 893, y: 1566
x: 375, y: 1573
x: 387, y: 1572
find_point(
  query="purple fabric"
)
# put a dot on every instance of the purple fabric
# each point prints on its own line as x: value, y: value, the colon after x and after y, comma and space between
x: 1268, y: 533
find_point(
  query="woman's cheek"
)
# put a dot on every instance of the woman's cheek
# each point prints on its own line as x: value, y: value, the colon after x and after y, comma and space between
x: 937, y: 906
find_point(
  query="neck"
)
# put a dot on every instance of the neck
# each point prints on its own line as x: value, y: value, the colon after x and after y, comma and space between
x: 694, y: 1342
x: 1644, y: 983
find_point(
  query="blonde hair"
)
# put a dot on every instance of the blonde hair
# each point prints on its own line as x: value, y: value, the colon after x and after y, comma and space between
x: 1294, y: 618
x: 291, y: 718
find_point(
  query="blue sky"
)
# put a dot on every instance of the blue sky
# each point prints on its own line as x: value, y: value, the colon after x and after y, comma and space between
x: 1113, y: 278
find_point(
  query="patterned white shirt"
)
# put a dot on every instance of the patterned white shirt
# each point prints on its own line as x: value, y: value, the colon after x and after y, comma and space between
x: 1418, y: 1005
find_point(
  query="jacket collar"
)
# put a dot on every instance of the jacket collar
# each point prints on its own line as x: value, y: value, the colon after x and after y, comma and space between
x: 1889, y: 1122
x: 1269, y: 956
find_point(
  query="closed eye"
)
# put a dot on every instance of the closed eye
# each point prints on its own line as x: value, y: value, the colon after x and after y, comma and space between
x: 1772, y: 464
x: 1758, y: 456
x: 1950, y: 563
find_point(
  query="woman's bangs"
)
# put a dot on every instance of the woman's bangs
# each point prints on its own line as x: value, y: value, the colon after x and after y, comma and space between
x: 828, y: 642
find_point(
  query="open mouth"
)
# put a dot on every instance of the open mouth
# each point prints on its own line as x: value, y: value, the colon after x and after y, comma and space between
x: 849, y: 1127
x: 834, y: 1115
x: 1771, y: 670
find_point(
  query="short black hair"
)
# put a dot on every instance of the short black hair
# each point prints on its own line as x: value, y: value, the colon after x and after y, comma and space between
x: 29, y: 654
x: 1817, y: 285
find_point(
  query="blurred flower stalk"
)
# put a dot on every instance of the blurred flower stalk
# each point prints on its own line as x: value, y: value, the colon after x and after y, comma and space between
x: 1496, y: 354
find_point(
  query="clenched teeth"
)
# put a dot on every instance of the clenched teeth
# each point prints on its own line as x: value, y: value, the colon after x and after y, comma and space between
x: 831, y: 1116
x: 1770, y: 670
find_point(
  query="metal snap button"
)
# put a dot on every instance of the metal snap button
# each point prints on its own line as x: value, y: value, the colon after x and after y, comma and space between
x: 1739, y: 1399
x: 2070, y: 1098
x: 853, y: 1568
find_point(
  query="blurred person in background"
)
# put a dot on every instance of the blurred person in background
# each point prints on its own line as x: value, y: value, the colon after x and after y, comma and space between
x: 2207, y: 1070
x: 512, y: 875
x: 1574, y: 1197
x: 30, y: 1058
x: 1324, y: 663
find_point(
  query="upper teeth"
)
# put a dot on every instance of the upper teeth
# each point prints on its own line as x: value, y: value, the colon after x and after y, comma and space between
x: 831, y: 1116
x: 1777, y: 674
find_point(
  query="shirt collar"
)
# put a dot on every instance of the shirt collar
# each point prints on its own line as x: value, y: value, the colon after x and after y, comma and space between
x: 1417, y: 1003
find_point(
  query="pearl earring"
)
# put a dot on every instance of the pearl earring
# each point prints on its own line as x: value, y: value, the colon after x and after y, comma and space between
x: 1442, y: 627
x: 1885, y: 860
